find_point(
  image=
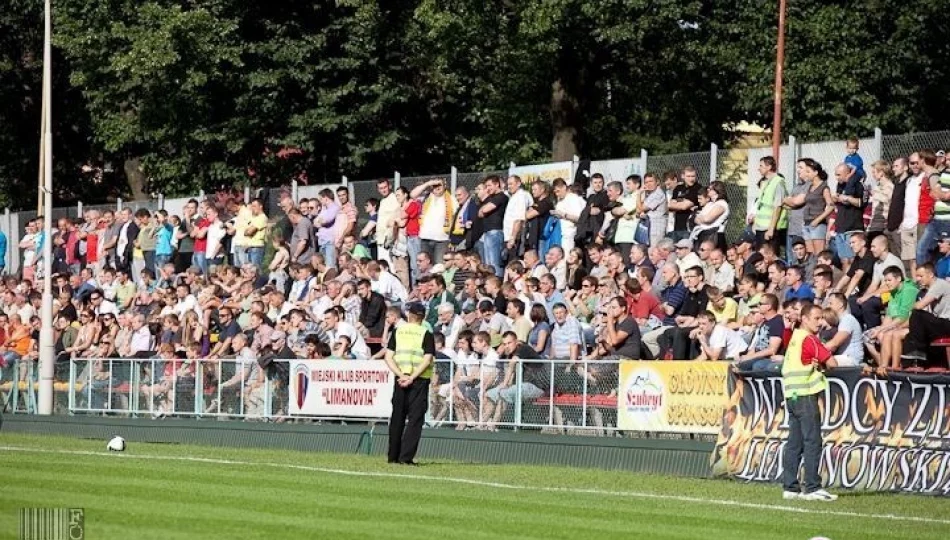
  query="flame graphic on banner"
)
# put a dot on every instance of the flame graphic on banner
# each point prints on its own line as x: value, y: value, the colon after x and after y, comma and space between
x: 301, y: 381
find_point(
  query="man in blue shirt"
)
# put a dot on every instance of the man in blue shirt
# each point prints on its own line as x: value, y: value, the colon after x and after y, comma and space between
x: 797, y: 288
x: 3, y: 252
x: 943, y: 263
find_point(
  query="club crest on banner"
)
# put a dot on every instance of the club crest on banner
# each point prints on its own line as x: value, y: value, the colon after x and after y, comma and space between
x: 301, y: 382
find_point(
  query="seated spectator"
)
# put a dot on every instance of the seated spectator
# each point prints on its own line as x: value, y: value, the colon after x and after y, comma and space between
x: 535, y: 378
x: 797, y: 288
x: 767, y: 338
x: 847, y: 342
x: 716, y: 341
x: 890, y: 335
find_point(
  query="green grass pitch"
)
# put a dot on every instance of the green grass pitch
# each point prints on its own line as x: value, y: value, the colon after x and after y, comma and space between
x: 190, y: 492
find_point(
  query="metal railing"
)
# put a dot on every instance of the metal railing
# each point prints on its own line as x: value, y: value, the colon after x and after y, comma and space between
x: 555, y: 396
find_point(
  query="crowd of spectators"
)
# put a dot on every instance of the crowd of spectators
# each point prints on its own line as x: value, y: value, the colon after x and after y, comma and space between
x: 577, y: 271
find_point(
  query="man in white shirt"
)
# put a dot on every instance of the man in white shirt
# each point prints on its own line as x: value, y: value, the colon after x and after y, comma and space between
x: 385, y: 283
x: 388, y: 212
x: 716, y: 341
x: 867, y: 308
x: 186, y: 302
x: 335, y: 327
x: 214, y: 252
x: 555, y: 264
x: 141, y: 336
x: 519, y: 200
x: 568, y: 209
x: 911, y: 220
x: 722, y: 274
x: 438, y: 210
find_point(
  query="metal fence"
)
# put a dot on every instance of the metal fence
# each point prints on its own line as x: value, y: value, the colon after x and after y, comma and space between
x: 554, y: 396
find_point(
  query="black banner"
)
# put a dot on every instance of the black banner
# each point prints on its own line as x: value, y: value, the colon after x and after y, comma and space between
x: 880, y: 434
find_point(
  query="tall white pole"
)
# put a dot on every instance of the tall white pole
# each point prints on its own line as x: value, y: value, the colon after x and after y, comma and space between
x: 47, y: 352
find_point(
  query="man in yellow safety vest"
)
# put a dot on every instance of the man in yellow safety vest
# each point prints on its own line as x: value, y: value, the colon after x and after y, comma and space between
x: 803, y: 383
x: 409, y: 356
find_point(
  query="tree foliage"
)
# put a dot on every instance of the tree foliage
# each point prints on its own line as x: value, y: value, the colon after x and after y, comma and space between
x: 190, y: 94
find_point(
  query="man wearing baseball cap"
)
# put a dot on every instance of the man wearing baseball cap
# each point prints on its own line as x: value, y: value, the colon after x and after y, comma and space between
x: 409, y: 356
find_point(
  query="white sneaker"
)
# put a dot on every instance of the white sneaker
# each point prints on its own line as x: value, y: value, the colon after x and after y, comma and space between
x: 791, y: 495
x: 819, y: 495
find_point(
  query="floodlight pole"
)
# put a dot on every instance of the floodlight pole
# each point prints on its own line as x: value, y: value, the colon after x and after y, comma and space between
x: 779, y: 63
x: 47, y: 352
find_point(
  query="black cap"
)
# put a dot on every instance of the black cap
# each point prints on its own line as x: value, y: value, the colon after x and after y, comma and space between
x: 416, y: 308
x: 747, y: 236
x: 798, y: 241
x: 944, y: 236
x: 486, y: 305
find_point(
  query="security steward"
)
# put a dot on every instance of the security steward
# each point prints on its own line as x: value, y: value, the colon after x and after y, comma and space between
x: 409, y: 356
x: 803, y: 382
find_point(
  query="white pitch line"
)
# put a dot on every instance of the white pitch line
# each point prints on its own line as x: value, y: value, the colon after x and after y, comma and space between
x: 498, y: 485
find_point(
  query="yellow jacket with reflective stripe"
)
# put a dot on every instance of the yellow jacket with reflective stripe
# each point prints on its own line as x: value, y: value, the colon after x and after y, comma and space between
x: 799, y: 379
x: 409, y: 355
x: 763, y: 214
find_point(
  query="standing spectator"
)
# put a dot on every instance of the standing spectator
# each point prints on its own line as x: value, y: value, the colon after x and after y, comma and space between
x: 513, y: 224
x: 217, y: 233
x: 818, y: 205
x: 881, y: 196
x: 348, y: 209
x: 465, y: 212
x: 326, y: 233
x: 794, y: 204
x: 684, y: 198
x: 199, y: 233
x: 653, y: 206
x: 147, y: 239
x: 255, y: 234
x: 492, y: 214
x: 911, y: 231
x: 184, y: 234
x: 537, y: 217
x: 903, y: 246
x: 592, y: 216
x: 3, y: 252
x: 849, y: 218
x: 238, y: 222
x: 435, y: 223
x: 711, y: 219
x: 368, y: 232
x: 770, y: 221
x: 164, y: 236
x: 568, y: 210
x: 938, y: 183
x: 302, y: 239
x: 125, y: 245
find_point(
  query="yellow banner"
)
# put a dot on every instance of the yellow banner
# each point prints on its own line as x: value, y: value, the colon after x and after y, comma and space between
x: 683, y: 397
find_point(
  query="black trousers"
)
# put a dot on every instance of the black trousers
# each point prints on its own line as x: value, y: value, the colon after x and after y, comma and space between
x: 405, y: 426
x: 677, y: 341
x: 778, y: 240
x: 925, y: 329
x: 868, y: 313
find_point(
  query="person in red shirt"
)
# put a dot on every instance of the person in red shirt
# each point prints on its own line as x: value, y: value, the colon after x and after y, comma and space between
x: 411, y: 213
x: 641, y: 304
x: 200, y: 234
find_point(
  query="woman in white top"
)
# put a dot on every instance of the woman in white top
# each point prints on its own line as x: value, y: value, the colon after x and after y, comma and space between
x: 464, y: 385
x: 711, y: 220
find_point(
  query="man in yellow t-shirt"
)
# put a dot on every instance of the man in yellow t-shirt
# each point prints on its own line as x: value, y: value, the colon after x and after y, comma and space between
x: 256, y: 233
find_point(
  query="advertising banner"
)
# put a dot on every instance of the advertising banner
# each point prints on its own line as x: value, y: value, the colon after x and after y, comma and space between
x: 544, y: 171
x: 880, y: 434
x: 616, y: 170
x: 681, y: 397
x: 341, y: 388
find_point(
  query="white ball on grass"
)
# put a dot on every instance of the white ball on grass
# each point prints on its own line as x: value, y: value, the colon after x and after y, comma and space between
x: 117, y: 444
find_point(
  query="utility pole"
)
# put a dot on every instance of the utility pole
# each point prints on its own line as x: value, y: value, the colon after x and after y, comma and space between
x: 47, y: 352
x: 779, y: 63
